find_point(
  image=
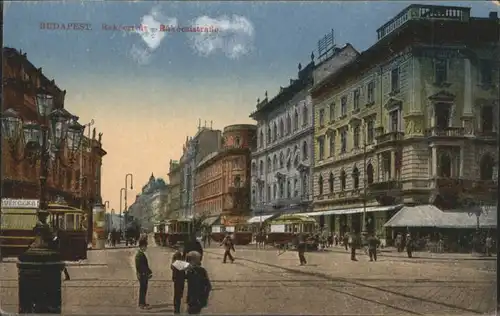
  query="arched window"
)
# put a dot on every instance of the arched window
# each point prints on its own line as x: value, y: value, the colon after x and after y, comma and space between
x: 254, y: 197
x: 261, y: 139
x: 331, y: 182
x: 282, y: 160
x: 275, y: 132
x: 275, y: 162
x: 486, y: 167
x: 261, y: 193
x: 237, y: 141
x: 254, y: 168
x: 288, y: 158
x: 295, y: 188
x: 275, y: 191
x: 305, y: 153
x: 282, y: 188
x: 444, y: 165
x: 355, y: 177
x: 288, y: 188
x: 269, y: 165
x: 269, y: 135
x: 369, y: 173
x: 296, y: 120
x: 282, y: 128
x: 305, y: 114
x: 288, y: 124
x: 269, y: 193
x: 342, y: 180
x: 320, y: 185
x: 296, y: 161
x: 305, y: 185
x: 261, y: 168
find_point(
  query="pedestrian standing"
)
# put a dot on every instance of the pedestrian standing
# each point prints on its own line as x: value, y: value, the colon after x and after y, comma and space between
x: 143, y: 271
x: 409, y: 245
x: 178, y: 277
x: 488, y: 245
x: 353, y: 243
x: 57, y: 244
x: 373, y: 244
x: 228, y: 246
x: 346, y: 241
x: 199, y: 286
x: 301, y: 249
x: 192, y: 245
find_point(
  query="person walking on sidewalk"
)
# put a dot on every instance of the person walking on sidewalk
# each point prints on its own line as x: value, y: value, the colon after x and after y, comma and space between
x: 143, y: 271
x: 228, y: 246
x: 353, y: 242
x: 301, y: 249
x: 409, y: 245
x: 373, y: 244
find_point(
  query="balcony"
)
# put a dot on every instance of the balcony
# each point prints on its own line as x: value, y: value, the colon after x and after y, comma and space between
x: 445, y: 132
x: 390, y: 186
x: 389, y: 138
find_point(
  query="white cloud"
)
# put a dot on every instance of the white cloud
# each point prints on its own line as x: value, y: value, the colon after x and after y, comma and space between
x: 150, y: 34
x: 234, y: 37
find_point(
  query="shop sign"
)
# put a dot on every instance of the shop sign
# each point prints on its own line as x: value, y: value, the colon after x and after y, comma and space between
x: 19, y: 203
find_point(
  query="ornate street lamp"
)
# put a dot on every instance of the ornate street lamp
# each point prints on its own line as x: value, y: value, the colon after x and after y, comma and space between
x: 40, y: 266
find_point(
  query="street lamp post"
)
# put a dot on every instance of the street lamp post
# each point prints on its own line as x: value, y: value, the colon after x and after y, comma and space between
x: 131, y: 188
x: 121, y: 206
x: 40, y: 266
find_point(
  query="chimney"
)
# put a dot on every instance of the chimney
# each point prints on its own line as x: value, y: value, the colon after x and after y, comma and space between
x: 494, y: 15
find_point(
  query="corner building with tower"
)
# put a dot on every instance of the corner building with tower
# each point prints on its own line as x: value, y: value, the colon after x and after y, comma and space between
x: 411, y: 121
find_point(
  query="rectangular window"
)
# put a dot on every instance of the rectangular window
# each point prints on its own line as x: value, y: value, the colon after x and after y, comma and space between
x: 343, y: 141
x: 395, y: 80
x: 371, y: 92
x: 332, y: 112
x: 394, y: 121
x: 332, y: 144
x: 356, y: 137
x: 356, y: 96
x: 440, y: 70
x: 486, y: 69
x: 321, y: 147
x: 343, y: 105
x: 370, y: 131
x: 322, y: 117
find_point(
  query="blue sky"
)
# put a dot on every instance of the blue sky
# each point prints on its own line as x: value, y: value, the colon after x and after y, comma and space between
x: 154, y: 103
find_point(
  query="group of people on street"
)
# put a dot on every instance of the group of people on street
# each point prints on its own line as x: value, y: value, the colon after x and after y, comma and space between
x: 198, y: 282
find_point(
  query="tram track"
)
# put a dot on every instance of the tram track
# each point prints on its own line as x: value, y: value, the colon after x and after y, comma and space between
x: 359, y: 284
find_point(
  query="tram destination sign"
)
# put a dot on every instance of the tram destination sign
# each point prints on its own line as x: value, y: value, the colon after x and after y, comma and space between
x: 19, y: 203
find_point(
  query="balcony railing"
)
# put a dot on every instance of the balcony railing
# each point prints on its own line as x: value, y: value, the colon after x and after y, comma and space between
x: 390, y: 137
x: 445, y: 132
x: 384, y: 186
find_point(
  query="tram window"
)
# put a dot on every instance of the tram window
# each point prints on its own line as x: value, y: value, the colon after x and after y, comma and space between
x: 70, y: 221
x: 77, y: 221
x: 60, y: 222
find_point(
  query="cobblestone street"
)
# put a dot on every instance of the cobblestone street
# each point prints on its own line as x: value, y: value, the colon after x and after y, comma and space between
x: 261, y: 281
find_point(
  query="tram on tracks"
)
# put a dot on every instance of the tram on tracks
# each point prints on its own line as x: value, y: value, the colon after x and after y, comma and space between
x: 177, y: 231
x: 19, y: 217
x: 160, y: 233
x: 284, y: 229
x: 237, y: 226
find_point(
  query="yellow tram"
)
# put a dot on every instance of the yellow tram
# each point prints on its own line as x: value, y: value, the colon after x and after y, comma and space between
x: 283, y: 229
x: 238, y: 227
x: 19, y: 217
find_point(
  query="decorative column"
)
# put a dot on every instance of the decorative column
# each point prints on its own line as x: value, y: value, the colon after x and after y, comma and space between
x: 434, y: 162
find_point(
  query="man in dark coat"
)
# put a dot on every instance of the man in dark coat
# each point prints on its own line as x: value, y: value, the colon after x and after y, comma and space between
x: 373, y: 243
x: 144, y: 273
x: 228, y: 246
x: 192, y: 244
x: 178, y: 277
x: 301, y: 249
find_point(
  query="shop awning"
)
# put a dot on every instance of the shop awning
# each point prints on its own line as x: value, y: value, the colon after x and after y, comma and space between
x: 260, y: 219
x: 431, y: 216
x: 210, y: 221
x: 352, y: 210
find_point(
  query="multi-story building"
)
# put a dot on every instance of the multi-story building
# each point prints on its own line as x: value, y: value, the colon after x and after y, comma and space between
x: 412, y: 121
x: 195, y: 149
x: 281, y: 163
x: 77, y: 182
x: 222, y: 185
x: 175, y: 178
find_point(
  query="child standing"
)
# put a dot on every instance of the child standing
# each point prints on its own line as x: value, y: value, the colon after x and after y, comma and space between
x: 178, y: 277
x: 199, y: 285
